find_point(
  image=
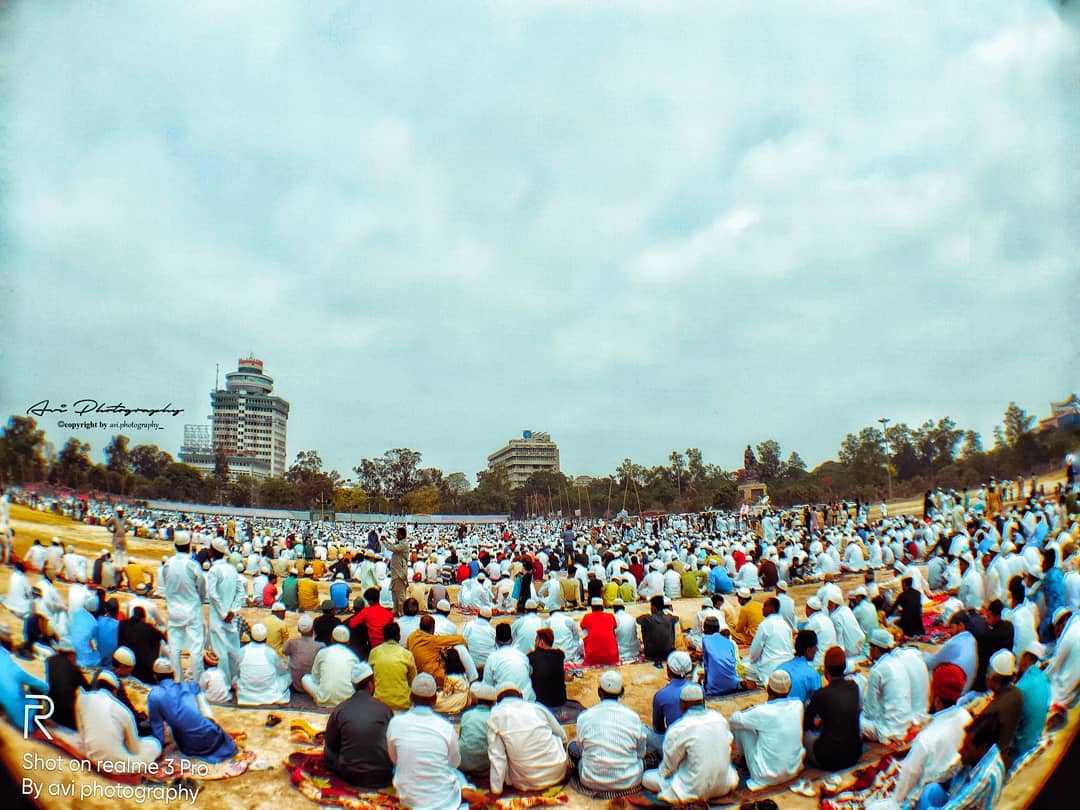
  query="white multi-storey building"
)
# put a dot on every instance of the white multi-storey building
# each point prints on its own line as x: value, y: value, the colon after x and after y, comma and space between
x: 248, y: 425
x: 522, y: 457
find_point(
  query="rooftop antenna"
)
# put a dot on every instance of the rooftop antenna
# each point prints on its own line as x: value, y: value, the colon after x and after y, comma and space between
x: 217, y: 373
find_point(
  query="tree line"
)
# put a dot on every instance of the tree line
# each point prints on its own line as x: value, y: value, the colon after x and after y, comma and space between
x: 899, y: 458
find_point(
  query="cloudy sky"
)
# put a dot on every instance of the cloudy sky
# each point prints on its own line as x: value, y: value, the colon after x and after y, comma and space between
x: 638, y: 226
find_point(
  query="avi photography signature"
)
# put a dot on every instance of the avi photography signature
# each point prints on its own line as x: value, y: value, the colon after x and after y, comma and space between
x: 81, y: 407
x: 93, y: 407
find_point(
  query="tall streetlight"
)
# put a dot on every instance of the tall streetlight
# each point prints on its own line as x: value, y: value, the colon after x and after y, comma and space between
x: 884, y: 422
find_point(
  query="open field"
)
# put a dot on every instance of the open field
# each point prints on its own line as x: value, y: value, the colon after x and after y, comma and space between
x: 266, y: 784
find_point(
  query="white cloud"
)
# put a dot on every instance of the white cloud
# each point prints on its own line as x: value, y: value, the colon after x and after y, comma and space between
x: 635, y: 225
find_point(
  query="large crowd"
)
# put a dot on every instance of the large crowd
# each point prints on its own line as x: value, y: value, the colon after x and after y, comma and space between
x: 957, y: 639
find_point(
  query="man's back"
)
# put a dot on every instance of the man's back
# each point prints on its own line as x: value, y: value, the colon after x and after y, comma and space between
x: 837, y: 704
x: 657, y: 635
x: 719, y: 655
x: 525, y: 746
x: 394, y: 668
x: 356, y: 741
x: 612, y: 742
x: 424, y: 750
x: 301, y: 653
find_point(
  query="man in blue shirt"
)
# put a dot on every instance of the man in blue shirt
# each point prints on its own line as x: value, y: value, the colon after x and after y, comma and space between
x: 1035, y: 687
x: 339, y: 593
x: 719, y: 658
x: 15, y: 682
x: 181, y: 706
x: 666, y: 708
x: 804, y: 678
x: 108, y: 629
x: 83, y: 629
x: 719, y: 581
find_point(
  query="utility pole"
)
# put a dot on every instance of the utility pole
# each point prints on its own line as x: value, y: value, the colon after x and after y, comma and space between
x: 884, y: 421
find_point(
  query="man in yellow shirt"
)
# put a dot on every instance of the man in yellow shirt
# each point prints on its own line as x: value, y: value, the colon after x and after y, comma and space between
x: 750, y: 616
x: 307, y: 591
x: 276, y: 631
x: 318, y: 568
x: 610, y: 592
x: 137, y: 575
x: 394, y: 668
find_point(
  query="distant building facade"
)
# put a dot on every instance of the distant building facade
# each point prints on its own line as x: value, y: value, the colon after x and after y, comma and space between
x: 532, y: 453
x: 198, y: 449
x: 248, y: 426
x: 1063, y: 414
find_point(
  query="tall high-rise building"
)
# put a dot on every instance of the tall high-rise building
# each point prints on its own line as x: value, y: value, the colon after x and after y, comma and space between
x: 248, y: 423
x: 522, y: 457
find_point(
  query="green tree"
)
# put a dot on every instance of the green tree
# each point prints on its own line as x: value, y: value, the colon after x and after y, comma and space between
x: 424, y: 500
x: 118, y: 455
x: 768, y: 460
x: 149, y: 460
x: 350, y: 499
x: 972, y: 446
x: 73, y: 465
x: 22, y: 447
x: 794, y: 467
x: 1017, y: 424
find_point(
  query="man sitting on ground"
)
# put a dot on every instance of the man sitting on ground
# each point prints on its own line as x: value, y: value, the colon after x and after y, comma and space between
x: 330, y: 680
x: 424, y: 750
x: 697, y: 755
x: 183, y: 709
x: 804, y: 678
x: 770, y: 735
x: 610, y: 741
x: 832, y: 738
x: 666, y: 704
x: 107, y: 729
x: 355, y: 747
x: 525, y: 743
x: 887, y: 709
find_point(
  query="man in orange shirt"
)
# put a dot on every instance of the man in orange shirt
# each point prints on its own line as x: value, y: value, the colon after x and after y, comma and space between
x: 428, y: 648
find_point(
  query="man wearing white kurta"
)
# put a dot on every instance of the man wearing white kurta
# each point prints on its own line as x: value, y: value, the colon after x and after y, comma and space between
x: 770, y: 735
x: 330, y: 680
x: 226, y: 593
x: 848, y: 632
x: 20, y: 595
x: 610, y: 740
x: 918, y: 679
x: 818, y: 621
x: 626, y: 634
x: 787, y: 605
x: 772, y: 644
x: 887, y: 705
x: 1064, y: 669
x: 697, y: 755
x: 263, y: 674
x: 524, y: 629
x: 525, y: 743
x: 479, y: 637
x: 424, y: 749
x: 107, y: 729
x: 933, y: 755
x: 185, y: 590
x: 567, y: 634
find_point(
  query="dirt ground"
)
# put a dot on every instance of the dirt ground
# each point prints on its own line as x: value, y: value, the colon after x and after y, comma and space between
x: 266, y: 783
